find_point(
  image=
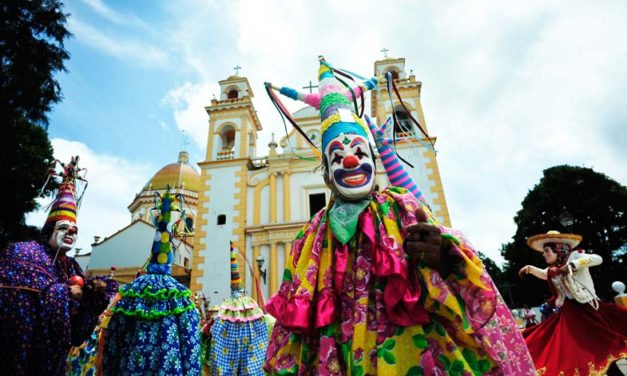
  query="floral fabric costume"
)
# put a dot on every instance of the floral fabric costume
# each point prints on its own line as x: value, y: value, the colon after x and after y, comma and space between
x: 367, y: 307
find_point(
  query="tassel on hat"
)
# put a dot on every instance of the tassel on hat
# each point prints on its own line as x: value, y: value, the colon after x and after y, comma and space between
x: 337, y: 114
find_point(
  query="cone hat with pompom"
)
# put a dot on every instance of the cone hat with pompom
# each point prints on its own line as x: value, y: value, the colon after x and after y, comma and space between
x: 64, y: 207
x: 337, y: 114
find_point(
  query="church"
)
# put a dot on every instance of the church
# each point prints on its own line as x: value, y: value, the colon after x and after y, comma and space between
x: 260, y: 203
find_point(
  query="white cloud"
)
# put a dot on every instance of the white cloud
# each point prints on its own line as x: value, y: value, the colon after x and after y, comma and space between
x: 130, y: 50
x: 509, y: 88
x: 113, y: 183
x: 188, y: 102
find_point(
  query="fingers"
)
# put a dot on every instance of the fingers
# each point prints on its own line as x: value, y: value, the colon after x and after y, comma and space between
x: 421, y: 216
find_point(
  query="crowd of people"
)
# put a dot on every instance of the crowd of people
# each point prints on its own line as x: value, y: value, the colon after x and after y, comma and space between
x: 375, y: 285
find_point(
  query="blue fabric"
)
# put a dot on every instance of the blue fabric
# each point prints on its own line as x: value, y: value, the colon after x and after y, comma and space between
x: 371, y: 83
x: 167, y: 344
x: 289, y: 92
x: 170, y: 346
x: 151, y: 283
x: 238, y: 348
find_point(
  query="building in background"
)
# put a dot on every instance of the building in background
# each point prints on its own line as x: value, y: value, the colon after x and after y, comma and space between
x: 129, y: 248
x: 261, y: 202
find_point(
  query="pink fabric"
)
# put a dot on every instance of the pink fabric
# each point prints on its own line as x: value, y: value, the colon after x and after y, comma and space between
x: 294, y: 314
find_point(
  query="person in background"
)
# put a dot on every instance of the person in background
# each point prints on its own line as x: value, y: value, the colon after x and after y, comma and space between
x: 585, y: 335
x: 46, y: 303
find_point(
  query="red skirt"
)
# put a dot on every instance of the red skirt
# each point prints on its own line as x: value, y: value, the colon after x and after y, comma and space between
x: 578, y: 340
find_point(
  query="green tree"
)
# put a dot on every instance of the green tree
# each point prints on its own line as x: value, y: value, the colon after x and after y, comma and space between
x: 576, y: 200
x: 32, y: 34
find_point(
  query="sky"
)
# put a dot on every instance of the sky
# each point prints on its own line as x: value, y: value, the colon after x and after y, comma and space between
x: 509, y: 88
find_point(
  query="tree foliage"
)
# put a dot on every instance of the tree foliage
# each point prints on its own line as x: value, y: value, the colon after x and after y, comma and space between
x: 32, y: 34
x: 576, y: 200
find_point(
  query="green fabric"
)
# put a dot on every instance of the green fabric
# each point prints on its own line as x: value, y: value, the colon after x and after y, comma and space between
x: 344, y: 216
x: 153, y: 314
x: 161, y: 294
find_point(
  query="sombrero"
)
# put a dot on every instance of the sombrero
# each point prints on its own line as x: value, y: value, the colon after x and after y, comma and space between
x: 537, y: 242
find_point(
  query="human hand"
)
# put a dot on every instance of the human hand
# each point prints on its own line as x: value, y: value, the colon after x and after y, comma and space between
x: 524, y: 270
x: 424, y: 240
x: 76, y: 292
x: 98, y: 286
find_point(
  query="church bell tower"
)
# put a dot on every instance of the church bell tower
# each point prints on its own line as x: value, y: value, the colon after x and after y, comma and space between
x: 231, y: 143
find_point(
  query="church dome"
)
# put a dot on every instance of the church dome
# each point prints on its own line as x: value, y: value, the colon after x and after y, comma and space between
x: 178, y: 175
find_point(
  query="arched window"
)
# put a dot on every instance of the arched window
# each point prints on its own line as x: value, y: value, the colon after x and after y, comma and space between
x: 227, y: 133
x: 233, y: 94
x: 404, y: 123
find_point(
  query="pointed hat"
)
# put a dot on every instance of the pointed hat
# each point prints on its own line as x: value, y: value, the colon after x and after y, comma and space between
x: 161, y: 253
x: 64, y: 206
x: 337, y: 114
x: 236, y: 279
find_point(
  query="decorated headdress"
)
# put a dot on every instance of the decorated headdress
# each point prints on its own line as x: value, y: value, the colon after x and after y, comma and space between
x: 236, y: 279
x: 161, y: 253
x: 537, y: 242
x: 65, y: 205
x: 337, y: 114
x: 336, y: 101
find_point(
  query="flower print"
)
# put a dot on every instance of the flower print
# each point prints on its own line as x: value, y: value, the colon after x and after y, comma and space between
x: 372, y: 355
x: 329, y: 362
x: 434, y: 348
x: 437, y: 281
x: 347, y: 330
x: 362, y: 275
x: 450, y: 346
x: 358, y: 355
x: 311, y: 274
x: 328, y: 278
x: 284, y: 361
x: 371, y: 322
x: 359, y: 313
x: 427, y: 362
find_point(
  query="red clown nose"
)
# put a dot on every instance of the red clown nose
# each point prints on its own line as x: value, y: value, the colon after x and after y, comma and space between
x: 350, y: 161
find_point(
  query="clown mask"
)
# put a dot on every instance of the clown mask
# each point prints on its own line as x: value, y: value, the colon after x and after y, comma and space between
x: 64, y: 235
x: 351, y: 167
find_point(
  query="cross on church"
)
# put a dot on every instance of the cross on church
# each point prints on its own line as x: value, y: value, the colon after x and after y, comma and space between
x: 385, y: 52
x: 237, y: 68
x: 310, y: 87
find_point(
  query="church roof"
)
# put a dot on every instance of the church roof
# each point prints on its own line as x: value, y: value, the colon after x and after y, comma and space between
x: 178, y: 175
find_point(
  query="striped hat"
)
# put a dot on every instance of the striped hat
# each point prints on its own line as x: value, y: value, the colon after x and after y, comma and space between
x: 236, y: 279
x: 64, y: 206
x: 337, y: 114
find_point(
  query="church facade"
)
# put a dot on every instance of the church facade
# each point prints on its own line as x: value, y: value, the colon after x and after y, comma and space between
x: 261, y: 202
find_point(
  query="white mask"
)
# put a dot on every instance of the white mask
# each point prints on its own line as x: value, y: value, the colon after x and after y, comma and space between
x: 64, y: 235
x: 351, y: 167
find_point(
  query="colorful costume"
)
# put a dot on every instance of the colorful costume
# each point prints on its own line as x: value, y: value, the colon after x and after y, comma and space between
x: 585, y: 336
x: 39, y: 320
x: 239, y: 334
x: 155, y: 326
x: 353, y: 302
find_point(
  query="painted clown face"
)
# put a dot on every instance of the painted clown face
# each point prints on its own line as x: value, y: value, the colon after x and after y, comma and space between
x: 64, y: 235
x: 351, y: 166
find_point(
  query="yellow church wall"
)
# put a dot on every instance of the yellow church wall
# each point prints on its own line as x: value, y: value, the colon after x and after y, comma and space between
x: 201, y: 235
